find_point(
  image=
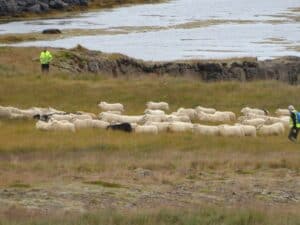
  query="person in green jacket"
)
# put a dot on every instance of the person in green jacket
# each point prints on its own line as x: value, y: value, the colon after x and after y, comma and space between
x: 45, y: 59
x: 294, y: 123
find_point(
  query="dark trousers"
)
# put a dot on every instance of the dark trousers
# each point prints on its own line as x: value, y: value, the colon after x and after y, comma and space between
x: 294, y: 133
x: 45, y: 68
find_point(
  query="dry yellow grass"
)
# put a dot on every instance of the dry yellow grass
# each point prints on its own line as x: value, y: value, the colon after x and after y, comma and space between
x: 30, y: 158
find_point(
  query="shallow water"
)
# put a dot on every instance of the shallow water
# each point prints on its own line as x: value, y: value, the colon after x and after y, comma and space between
x: 183, y: 29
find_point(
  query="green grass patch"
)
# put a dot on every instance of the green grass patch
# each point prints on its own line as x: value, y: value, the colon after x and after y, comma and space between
x: 19, y: 184
x: 104, y: 184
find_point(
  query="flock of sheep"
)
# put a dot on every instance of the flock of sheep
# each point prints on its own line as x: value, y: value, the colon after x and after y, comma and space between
x: 155, y: 119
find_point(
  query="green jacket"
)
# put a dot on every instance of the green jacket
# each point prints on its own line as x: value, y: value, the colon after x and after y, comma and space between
x: 294, y: 120
x: 45, y: 57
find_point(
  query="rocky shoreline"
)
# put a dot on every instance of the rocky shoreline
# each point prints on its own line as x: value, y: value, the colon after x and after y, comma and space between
x: 80, y: 60
x: 15, y: 7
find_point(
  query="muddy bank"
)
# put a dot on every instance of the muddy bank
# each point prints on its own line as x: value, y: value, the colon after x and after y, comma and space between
x: 80, y: 60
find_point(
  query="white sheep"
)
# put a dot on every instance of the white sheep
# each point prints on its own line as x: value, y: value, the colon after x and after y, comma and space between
x: 205, y: 110
x: 62, y: 126
x: 206, y: 130
x: 154, y: 112
x: 59, y: 117
x: 247, y: 110
x: 146, y: 129
x: 115, y: 112
x: 161, y: 126
x: 152, y: 118
x: 191, y: 113
x: 180, y: 127
x: 249, y: 130
x: 285, y: 120
x: 158, y: 105
x: 92, y: 115
x: 272, y: 120
x: 217, y: 117
x: 174, y: 117
x: 254, y: 122
x: 111, y: 106
x: 282, y: 112
x: 231, y: 131
x: 89, y: 123
x: 270, y: 130
x: 115, y: 118
x: 55, y: 126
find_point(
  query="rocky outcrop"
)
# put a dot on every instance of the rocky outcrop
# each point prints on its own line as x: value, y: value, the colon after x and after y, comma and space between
x: 15, y: 7
x: 80, y: 60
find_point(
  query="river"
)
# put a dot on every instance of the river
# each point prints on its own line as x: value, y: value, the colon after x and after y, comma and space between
x: 182, y: 29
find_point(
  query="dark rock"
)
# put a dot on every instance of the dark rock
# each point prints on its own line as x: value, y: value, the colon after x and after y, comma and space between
x: 35, y: 8
x: 79, y: 60
x: 57, y: 4
x: 51, y: 31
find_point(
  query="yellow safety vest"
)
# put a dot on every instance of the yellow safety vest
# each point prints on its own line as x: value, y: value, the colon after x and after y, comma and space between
x: 45, y: 57
x: 297, y: 120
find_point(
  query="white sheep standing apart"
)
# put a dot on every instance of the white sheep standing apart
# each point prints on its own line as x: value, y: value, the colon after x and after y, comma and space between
x: 231, y: 131
x: 158, y: 105
x: 206, y: 130
x: 111, y: 106
x: 271, y: 130
x: 149, y: 129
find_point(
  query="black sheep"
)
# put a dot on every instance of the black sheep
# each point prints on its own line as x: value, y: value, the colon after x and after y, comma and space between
x: 126, y: 127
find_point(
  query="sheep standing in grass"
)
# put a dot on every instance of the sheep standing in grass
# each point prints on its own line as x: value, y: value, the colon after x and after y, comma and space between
x: 282, y: 112
x: 178, y: 118
x: 89, y: 123
x: 206, y: 130
x: 156, y: 112
x: 152, y: 118
x: 115, y: 118
x: 180, y: 127
x: 55, y: 126
x: 158, y: 105
x: 271, y: 130
x: 247, y: 110
x: 217, y: 117
x: 231, y: 131
x: 92, y: 115
x: 249, y: 130
x: 205, y: 110
x: 111, y: 106
x: 161, y: 126
x: 253, y: 122
x: 191, y: 113
x: 149, y: 129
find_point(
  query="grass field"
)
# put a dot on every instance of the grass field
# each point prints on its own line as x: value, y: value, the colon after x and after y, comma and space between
x: 89, y: 161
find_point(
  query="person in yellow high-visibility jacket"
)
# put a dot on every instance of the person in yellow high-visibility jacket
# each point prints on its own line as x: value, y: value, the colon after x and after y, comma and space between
x: 294, y: 123
x: 45, y: 59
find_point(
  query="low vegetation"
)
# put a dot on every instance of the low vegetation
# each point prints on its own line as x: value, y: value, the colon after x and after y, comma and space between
x: 100, y: 159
